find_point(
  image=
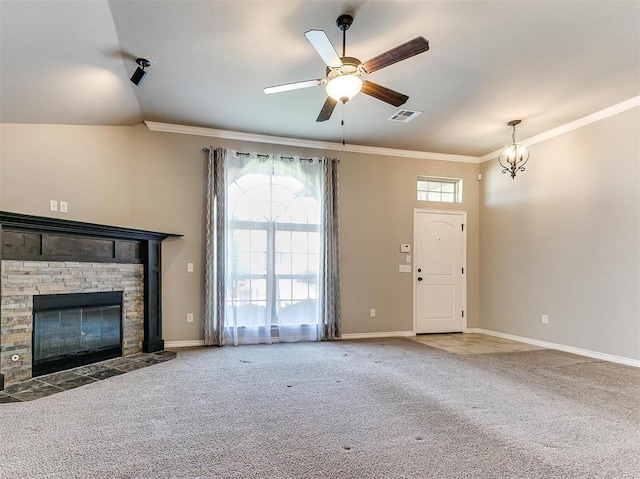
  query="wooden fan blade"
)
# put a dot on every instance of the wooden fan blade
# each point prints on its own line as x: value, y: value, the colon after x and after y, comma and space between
x: 402, y: 52
x: 327, y: 109
x: 382, y: 93
x: 323, y: 46
x: 294, y: 86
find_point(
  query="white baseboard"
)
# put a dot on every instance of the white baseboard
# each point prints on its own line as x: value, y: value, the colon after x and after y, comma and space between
x: 391, y: 334
x: 473, y: 331
x: 184, y: 344
x: 562, y: 347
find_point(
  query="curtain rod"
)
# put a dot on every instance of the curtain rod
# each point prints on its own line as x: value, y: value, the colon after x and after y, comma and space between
x: 260, y: 155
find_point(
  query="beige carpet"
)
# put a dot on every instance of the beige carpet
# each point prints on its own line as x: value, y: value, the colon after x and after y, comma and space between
x: 391, y: 408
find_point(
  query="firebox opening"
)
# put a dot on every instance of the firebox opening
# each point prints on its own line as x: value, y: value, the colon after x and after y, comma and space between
x: 71, y: 330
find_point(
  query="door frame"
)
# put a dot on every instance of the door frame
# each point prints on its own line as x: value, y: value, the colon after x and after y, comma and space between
x: 463, y: 215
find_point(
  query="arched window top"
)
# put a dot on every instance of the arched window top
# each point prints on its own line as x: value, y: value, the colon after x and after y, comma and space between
x: 273, y: 198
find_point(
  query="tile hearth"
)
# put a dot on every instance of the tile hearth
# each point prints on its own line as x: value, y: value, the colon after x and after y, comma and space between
x: 49, y: 384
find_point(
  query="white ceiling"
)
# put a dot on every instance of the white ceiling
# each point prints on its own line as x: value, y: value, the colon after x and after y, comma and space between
x: 545, y: 62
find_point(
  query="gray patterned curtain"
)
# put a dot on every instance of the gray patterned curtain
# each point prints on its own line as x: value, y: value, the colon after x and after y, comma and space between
x: 215, y: 249
x: 330, y: 274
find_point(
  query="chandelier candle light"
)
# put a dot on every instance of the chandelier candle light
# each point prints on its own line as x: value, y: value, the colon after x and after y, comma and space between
x: 513, y: 158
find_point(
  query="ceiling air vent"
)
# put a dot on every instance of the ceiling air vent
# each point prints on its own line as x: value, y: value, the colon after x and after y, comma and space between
x: 404, y: 116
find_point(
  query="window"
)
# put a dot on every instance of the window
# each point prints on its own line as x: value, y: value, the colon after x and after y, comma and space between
x: 273, y: 248
x: 442, y: 190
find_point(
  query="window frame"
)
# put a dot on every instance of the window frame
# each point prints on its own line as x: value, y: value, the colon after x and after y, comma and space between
x: 441, y: 180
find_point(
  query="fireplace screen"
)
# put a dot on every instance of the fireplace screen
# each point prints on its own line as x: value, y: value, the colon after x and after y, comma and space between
x: 75, y: 329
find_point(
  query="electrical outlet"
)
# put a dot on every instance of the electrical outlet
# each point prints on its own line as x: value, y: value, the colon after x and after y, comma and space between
x: 373, y: 313
x: 64, y: 207
x: 189, y: 267
x: 189, y: 317
x: 545, y: 319
x: 53, y: 205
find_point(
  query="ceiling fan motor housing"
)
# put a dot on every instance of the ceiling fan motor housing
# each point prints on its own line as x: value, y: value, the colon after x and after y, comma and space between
x: 350, y: 66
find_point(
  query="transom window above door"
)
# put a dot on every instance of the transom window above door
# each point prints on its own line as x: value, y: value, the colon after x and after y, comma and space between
x: 441, y: 190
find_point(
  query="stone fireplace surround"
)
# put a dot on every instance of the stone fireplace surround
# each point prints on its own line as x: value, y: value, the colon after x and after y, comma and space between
x: 51, y: 256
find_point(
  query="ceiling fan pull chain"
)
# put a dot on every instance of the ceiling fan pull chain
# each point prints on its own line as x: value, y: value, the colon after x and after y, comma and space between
x: 344, y: 106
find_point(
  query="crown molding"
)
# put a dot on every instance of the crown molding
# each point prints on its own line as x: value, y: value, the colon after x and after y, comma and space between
x: 321, y: 145
x: 573, y: 125
x: 373, y: 150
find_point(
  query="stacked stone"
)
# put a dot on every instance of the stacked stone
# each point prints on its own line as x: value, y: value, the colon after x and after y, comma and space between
x: 21, y: 280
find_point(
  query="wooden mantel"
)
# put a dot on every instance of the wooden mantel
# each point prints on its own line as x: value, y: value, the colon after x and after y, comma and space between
x: 37, y: 238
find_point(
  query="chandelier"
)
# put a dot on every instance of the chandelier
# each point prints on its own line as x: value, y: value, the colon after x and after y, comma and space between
x: 513, y: 157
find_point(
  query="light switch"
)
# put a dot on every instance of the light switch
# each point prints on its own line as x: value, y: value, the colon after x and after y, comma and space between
x: 405, y: 248
x: 189, y: 267
x: 405, y: 268
x: 408, y: 258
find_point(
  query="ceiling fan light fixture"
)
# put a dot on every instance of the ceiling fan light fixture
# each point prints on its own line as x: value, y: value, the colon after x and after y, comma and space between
x: 344, y: 87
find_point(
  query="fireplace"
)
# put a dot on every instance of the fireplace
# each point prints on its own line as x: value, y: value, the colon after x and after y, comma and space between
x: 50, y: 259
x: 72, y: 330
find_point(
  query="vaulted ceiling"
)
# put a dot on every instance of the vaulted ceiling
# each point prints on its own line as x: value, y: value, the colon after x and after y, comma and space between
x: 545, y: 62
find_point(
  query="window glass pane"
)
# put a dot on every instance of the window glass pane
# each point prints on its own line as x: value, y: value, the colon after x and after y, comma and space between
x: 313, y: 290
x: 300, y: 289
x: 447, y: 198
x: 281, y: 201
x: 422, y: 196
x: 290, y: 183
x: 312, y: 210
x: 313, y: 262
x: 258, y: 240
x: 422, y: 185
x: 241, y: 240
x: 283, y: 241
x: 239, y: 289
x: 283, y: 263
x: 299, y: 263
x: 251, y: 180
x: 249, y: 314
x: 299, y: 242
x: 297, y: 213
x: 244, y: 210
x: 258, y: 263
x: 258, y: 290
x: 284, y: 289
x: 448, y: 187
x: 313, y: 242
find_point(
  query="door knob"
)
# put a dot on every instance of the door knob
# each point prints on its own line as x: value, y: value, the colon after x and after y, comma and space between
x: 419, y: 278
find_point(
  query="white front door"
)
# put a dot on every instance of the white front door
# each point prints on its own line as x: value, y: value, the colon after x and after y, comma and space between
x: 439, y: 294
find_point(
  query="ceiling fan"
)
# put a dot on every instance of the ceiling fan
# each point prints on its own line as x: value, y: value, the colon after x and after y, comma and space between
x: 344, y: 74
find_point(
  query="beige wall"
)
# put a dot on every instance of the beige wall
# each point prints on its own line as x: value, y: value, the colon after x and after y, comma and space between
x: 137, y: 178
x: 563, y: 239
x: 377, y: 199
x: 86, y: 166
